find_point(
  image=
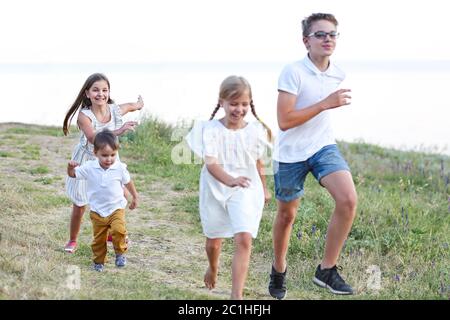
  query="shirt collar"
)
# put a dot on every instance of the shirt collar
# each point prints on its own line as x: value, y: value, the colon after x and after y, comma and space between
x: 331, y: 71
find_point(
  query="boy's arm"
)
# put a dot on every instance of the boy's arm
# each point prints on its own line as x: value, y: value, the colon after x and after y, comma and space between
x: 132, y: 189
x: 131, y: 106
x: 217, y: 171
x: 289, y: 118
x: 71, y: 168
x: 262, y: 175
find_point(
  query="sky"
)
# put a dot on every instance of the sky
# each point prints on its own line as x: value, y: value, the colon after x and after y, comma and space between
x: 389, y: 49
x: 135, y: 31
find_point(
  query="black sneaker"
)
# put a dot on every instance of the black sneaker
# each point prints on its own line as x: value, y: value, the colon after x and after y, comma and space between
x: 277, y: 284
x: 330, y: 278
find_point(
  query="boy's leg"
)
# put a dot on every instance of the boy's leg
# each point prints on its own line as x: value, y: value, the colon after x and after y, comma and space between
x: 289, y: 179
x: 282, y: 228
x: 332, y: 172
x: 100, y: 230
x: 213, y: 248
x: 341, y: 187
x: 241, y: 260
x: 118, y: 231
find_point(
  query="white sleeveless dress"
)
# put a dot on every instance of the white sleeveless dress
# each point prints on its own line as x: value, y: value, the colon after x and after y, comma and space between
x: 84, y: 151
x: 225, y: 211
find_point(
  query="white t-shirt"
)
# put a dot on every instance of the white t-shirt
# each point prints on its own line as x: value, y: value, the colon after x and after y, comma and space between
x: 104, y: 187
x: 225, y: 211
x: 310, y: 85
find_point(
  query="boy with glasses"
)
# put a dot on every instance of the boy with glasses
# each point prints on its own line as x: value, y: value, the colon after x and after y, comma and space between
x: 305, y: 143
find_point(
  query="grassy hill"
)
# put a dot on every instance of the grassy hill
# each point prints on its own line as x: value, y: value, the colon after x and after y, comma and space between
x: 398, y: 247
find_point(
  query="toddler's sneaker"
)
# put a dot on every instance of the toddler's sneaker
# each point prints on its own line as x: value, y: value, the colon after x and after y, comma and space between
x: 98, y: 267
x: 330, y: 279
x: 121, y: 260
x: 70, y: 247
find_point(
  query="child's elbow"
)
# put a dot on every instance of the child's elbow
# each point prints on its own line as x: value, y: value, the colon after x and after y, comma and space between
x: 283, y: 125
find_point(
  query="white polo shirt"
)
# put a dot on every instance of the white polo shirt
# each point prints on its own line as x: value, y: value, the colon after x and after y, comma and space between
x: 104, y: 187
x: 310, y: 85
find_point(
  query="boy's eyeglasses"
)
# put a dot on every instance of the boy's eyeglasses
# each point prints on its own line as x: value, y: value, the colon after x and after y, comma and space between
x: 322, y: 35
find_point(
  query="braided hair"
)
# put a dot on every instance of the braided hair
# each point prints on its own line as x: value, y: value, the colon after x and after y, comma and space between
x: 215, y: 111
x: 269, y: 132
x: 232, y: 88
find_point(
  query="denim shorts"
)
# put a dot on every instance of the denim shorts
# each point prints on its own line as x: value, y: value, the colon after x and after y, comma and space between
x: 290, y: 177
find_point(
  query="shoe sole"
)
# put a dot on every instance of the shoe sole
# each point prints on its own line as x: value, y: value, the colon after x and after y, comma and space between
x: 69, y: 250
x: 277, y: 298
x: 285, y: 294
x: 324, y: 285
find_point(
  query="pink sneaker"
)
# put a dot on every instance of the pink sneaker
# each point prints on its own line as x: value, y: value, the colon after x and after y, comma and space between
x: 110, y: 238
x: 70, y: 247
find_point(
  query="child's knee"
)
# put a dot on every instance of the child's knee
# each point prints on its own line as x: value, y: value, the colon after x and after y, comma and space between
x: 213, y: 244
x: 243, y: 240
x: 118, y: 229
x: 287, y: 215
x: 348, y: 202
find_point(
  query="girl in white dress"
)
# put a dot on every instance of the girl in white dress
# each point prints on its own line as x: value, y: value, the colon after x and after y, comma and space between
x: 232, y: 181
x: 97, y: 112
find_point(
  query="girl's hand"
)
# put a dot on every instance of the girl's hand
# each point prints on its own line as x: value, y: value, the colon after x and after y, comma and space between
x: 267, y: 196
x: 128, y: 126
x: 134, y: 203
x: 72, y: 164
x: 243, y: 182
x: 71, y: 168
x: 139, y: 103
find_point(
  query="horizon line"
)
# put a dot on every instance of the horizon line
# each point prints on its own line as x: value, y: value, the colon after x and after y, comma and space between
x: 353, y: 64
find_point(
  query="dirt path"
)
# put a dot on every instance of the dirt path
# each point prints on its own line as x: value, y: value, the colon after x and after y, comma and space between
x: 162, y: 240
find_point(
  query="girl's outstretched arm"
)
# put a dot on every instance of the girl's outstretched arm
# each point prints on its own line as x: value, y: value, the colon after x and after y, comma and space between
x: 217, y: 171
x: 131, y: 106
x: 85, y: 125
x: 127, y: 126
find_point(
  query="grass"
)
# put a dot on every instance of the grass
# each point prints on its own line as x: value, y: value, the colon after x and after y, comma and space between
x: 402, y: 226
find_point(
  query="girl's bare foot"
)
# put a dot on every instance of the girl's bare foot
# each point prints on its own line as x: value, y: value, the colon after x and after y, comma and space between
x: 210, y: 278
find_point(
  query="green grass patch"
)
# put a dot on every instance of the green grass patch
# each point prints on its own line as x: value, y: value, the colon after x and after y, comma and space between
x: 36, y: 130
x: 6, y: 154
x: 40, y: 170
x: 31, y: 152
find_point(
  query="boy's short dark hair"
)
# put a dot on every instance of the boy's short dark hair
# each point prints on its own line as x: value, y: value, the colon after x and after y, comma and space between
x: 308, y: 21
x: 104, y: 138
